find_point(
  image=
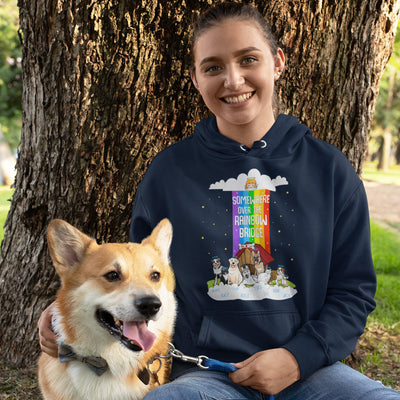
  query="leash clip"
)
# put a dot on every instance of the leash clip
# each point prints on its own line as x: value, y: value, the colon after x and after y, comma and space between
x: 173, y: 352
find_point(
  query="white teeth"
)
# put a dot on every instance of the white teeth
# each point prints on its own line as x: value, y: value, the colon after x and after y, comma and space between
x: 238, y: 99
x: 118, y: 322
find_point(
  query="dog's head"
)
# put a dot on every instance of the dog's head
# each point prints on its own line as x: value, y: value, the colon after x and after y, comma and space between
x: 233, y: 262
x: 257, y: 256
x: 113, y: 291
x: 245, y: 271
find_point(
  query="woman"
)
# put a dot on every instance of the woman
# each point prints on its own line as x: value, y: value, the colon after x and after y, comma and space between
x: 259, y: 194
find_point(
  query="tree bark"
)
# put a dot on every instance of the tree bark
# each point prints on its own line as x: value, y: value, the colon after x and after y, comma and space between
x: 107, y: 86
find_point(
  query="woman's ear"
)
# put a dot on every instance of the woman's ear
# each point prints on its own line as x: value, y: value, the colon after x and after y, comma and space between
x: 279, y: 61
x: 193, y: 76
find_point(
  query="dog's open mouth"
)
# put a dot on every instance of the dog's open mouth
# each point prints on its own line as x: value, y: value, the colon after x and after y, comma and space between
x: 134, y: 335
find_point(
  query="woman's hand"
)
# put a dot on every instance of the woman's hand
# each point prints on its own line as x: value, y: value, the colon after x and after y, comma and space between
x: 269, y: 371
x: 47, y: 337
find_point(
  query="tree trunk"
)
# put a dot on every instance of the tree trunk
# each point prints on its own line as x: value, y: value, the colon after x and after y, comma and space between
x: 397, y: 150
x: 385, y: 151
x: 386, y: 148
x: 107, y: 86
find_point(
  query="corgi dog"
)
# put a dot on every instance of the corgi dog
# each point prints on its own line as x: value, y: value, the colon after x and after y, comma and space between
x: 115, y: 312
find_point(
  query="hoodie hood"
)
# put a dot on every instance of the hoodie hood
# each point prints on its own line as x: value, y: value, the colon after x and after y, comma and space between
x: 282, y: 139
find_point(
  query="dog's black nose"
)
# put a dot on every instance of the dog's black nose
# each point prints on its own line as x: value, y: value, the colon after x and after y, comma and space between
x: 148, y: 305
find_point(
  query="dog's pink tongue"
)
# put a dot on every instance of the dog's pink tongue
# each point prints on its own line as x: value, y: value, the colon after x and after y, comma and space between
x: 138, y: 332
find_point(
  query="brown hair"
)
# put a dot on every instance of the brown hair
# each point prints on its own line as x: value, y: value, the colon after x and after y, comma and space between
x: 231, y: 10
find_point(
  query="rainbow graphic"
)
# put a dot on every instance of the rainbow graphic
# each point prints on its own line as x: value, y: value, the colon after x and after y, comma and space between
x: 250, y: 218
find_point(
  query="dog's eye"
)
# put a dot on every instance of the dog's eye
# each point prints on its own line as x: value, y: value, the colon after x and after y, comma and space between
x: 155, y: 276
x: 112, y: 276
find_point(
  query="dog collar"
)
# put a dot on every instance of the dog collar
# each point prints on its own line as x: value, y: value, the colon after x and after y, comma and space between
x: 97, y: 364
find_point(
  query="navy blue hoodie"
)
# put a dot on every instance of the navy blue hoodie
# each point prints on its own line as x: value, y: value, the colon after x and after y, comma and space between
x: 271, y: 244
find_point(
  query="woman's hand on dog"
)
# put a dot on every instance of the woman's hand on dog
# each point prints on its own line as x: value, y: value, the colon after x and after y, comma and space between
x: 268, y: 371
x: 47, y: 338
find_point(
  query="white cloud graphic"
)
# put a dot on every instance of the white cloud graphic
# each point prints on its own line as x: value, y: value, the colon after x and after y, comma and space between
x: 239, y: 183
x: 257, y: 292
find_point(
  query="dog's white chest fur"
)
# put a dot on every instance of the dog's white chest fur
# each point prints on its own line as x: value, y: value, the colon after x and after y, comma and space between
x: 87, y: 385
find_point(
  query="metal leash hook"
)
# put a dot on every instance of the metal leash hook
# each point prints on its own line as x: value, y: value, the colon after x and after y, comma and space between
x: 173, y: 352
x: 150, y: 363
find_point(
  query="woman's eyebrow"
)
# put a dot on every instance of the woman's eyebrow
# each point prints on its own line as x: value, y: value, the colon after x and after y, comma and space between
x: 236, y: 54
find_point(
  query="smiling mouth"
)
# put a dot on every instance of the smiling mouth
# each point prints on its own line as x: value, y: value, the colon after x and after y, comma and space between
x: 237, y: 99
x: 134, y: 335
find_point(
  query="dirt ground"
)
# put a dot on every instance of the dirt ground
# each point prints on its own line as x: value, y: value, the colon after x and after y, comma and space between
x: 383, y: 201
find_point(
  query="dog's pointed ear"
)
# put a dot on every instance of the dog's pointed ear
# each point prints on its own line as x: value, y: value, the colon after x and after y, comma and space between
x: 161, y: 239
x: 67, y: 245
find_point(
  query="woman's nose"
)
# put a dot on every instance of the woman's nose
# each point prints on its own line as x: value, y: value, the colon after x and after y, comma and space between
x: 233, y: 78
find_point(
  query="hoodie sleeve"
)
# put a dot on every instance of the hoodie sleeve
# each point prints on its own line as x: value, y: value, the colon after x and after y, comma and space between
x: 350, y: 295
x: 141, y: 226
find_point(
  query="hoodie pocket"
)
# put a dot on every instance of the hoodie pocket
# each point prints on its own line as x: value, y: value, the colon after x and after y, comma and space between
x: 248, y: 332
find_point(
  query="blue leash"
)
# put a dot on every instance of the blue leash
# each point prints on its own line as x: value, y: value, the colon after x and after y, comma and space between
x: 204, y: 362
x: 215, y: 365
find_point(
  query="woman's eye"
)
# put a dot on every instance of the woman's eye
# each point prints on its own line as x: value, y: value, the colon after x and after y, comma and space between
x: 248, y: 60
x: 212, y: 68
x: 112, y: 276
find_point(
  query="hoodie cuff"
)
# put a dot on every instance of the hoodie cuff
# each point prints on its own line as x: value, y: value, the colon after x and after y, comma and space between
x: 309, y: 354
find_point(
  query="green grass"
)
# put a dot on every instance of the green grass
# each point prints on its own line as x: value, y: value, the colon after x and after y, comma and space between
x: 387, y: 312
x: 5, y: 198
x: 371, y: 173
x: 385, y: 246
x: 386, y: 255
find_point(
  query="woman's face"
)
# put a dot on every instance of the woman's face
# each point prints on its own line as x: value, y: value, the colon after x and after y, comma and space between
x: 234, y: 71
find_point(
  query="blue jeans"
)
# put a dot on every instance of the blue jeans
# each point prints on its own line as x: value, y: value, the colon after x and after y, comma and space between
x: 336, y: 382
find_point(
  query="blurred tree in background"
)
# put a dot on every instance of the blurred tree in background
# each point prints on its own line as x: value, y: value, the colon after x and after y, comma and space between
x: 10, y: 73
x: 385, y: 135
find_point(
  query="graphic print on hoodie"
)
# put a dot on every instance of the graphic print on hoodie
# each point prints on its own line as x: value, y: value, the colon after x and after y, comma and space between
x: 247, y: 275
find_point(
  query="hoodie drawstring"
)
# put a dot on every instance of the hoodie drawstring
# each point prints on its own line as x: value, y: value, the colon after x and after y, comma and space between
x: 260, y: 144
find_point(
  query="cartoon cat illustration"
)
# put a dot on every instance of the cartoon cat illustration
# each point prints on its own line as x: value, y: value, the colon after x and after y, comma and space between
x: 251, y: 183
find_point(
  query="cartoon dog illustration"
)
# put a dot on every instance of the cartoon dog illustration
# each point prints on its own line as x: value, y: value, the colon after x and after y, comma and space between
x: 281, y: 277
x: 248, y: 279
x: 234, y: 275
x: 258, y: 264
x: 220, y: 271
x: 280, y: 273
